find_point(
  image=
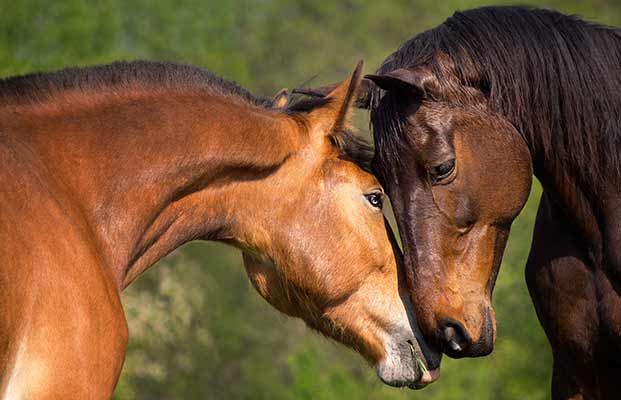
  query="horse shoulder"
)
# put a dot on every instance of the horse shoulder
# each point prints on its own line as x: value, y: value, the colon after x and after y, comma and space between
x: 63, y: 333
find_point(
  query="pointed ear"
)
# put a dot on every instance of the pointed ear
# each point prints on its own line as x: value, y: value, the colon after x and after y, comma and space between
x: 281, y: 99
x: 333, y: 115
x: 419, y: 80
x: 363, y: 94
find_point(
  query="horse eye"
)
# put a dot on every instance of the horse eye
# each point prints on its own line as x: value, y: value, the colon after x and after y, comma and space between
x: 375, y: 199
x: 442, y: 171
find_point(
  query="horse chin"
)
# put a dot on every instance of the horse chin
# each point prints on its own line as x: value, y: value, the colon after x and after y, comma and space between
x: 409, y: 359
x: 406, y: 364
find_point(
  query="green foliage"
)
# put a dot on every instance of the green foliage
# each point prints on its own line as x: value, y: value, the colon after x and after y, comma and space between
x: 197, y: 329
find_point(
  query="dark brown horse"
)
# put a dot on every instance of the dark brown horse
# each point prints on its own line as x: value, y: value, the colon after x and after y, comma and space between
x: 466, y: 113
x: 105, y: 170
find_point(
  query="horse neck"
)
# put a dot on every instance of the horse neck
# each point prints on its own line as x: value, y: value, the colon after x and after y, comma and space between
x: 149, y: 171
x: 576, y: 200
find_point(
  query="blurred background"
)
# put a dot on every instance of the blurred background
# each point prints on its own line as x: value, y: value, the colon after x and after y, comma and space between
x: 197, y: 328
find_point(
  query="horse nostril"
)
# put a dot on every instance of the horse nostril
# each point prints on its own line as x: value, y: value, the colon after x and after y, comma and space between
x: 454, y: 336
x: 450, y: 335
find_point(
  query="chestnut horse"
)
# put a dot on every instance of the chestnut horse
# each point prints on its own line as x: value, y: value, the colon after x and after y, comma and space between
x: 466, y: 113
x: 105, y: 170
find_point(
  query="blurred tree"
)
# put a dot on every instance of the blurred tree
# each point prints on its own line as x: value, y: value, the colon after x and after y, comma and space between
x: 197, y: 329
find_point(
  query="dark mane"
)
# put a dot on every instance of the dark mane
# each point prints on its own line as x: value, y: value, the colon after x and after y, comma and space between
x: 38, y: 87
x: 557, y: 78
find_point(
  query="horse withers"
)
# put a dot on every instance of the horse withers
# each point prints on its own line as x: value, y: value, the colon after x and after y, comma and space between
x: 105, y: 170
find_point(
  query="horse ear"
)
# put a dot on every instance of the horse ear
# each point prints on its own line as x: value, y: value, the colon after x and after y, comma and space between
x: 363, y: 94
x: 420, y: 80
x: 281, y: 99
x: 333, y: 115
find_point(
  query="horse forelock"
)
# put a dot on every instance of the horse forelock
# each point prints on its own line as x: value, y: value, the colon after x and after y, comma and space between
x: 554, y: 77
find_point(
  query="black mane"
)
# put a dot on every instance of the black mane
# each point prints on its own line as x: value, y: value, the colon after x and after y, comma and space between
x: 38, y: 87
x: 557, y: 78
